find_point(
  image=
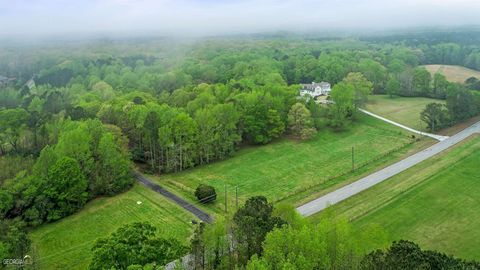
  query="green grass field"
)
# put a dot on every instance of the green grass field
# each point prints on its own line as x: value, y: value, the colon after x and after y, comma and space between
x: 286, y: 167
x: 457, y: 74
x: 66, y: 244
x: 434, y: 203
x: 404, y: 110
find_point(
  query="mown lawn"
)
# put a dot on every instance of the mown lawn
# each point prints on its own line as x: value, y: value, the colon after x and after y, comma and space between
x: 66, y: 244
x: 434, y: 203
x: 404, y: 110
x: 453, y: 73
x: 287, y: 167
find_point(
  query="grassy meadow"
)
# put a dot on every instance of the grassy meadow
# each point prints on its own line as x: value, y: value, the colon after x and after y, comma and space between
x: 66, y: 244
x: 404, y: 110
x: 457, y: 74
x: 286, y: 167
x: 434, y: 203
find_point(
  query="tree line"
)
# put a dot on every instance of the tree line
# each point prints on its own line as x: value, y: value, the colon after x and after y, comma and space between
x: 87, y: 161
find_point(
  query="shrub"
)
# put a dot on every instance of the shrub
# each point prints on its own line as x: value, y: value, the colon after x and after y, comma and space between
x: 205, y: 194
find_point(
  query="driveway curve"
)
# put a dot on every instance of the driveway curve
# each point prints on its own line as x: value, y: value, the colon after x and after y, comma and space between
x: 433, y: 136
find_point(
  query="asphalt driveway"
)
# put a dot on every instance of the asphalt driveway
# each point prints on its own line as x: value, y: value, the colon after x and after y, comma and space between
x: 360, y: 185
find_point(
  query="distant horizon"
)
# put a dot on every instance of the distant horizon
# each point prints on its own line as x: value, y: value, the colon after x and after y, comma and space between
x: 200, y: 18
x: 324, y: 33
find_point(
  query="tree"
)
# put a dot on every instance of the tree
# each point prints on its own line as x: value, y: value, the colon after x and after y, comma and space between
x: 396, y: 66
x: 308, y: 133
x: 54, y: 103
x: 14, y: 241
x: 134, y: 244
x: 406, y: 83
x: 36, y: 105
x: 151, y: 125
x: 103, y: 90
x: 211, y: 246
x: 208, y: 127
x: 217, y: 132
x: 461, y: 104
x: 181, y: 97
x: 48, y: 157
x: 421, y: 82
x: 12, y: 122
x: 203, y: 100
x: 440, y: 85
x: 408, y: 255
x: 374, y: 72
x: 362, y: 87
x: 77, y: 143
x: 274, y: 125
x: 289, y: 214
x: 327, y: 245
x: 113, y: 167
x: 35, y: 122
x: 434, y: 115
x: 218, y: 244
x: 65, y: 188
x: 87, y: 161
x: 198, y: 246
x: 184, y: 131
x: 343, y: 96
x: 227, y: 135
x: 252, y: 222
x: 9, y: 98
x: 6, y: 202
x: 473, y: 83
x: 205, y: 193
x: 300, y: 121
x: 393, y: 86
x: 261, y: 120
x: 77, y: 113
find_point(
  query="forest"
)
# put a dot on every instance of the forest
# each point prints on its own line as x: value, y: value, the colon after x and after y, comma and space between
x: 78, y: 118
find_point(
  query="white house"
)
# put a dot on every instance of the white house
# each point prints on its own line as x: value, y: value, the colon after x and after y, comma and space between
x: 315, y: 89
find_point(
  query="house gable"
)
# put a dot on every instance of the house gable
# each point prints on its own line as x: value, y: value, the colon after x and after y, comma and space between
x: 315, y: 89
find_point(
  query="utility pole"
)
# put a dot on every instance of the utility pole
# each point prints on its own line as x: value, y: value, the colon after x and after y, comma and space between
x: 236, y: 197
x: 225, y: 198
x: 353, y: 158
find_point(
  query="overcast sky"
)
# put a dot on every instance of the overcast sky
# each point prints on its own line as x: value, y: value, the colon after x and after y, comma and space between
x: 211, y: 17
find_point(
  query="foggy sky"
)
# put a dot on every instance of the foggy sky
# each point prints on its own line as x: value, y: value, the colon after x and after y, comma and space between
x: 212, y: 17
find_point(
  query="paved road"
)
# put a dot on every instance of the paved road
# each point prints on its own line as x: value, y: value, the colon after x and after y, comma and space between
x: 349, y: 190
x: 434, y: 136
x: 200, y: 214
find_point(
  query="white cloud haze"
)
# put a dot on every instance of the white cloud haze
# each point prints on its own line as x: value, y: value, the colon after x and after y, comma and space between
x: 207, y: 17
